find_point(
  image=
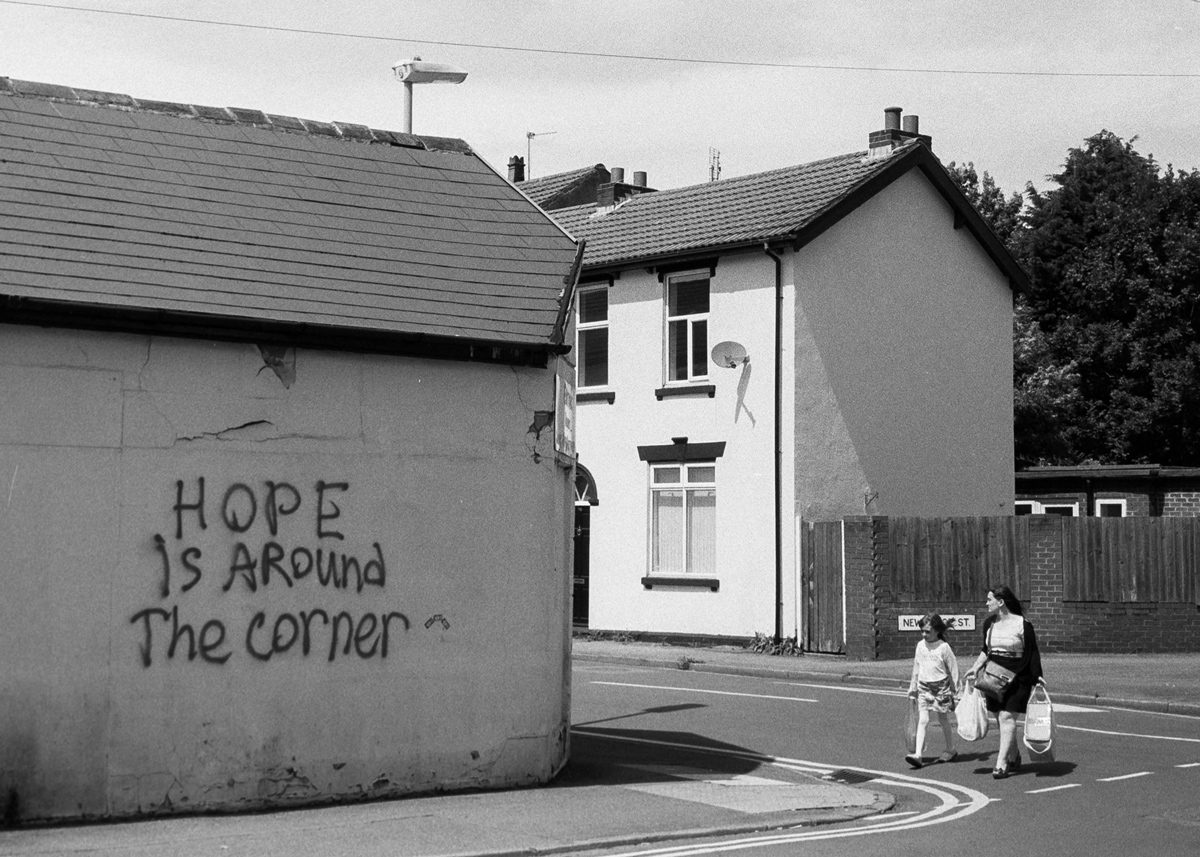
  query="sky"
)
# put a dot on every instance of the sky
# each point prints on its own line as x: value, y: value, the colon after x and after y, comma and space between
x: 660, y: 85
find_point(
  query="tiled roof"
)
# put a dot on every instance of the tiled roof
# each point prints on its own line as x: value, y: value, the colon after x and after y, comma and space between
x: 546, y: 189
x: 109, y: 203
x: 772, y: 206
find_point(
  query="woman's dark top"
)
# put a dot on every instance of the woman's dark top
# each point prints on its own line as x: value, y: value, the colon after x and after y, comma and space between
x: 1028, y: 669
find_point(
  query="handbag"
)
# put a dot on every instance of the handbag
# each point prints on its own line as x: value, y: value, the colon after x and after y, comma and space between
x: 972, y: 716
x: 994, y: 680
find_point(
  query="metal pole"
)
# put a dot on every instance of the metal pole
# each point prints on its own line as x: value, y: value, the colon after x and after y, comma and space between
x: 408, y: 107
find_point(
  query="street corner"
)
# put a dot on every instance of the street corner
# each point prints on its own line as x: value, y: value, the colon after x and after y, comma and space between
x: 775, y: 797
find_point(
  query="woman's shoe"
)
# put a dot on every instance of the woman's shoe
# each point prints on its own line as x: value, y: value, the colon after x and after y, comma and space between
x: 914, y: 761
x: 948, y: 756
x: 999, y: 773
x: 1014, y: 764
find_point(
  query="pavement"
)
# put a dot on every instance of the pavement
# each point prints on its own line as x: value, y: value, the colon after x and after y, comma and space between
x: 611, y: 794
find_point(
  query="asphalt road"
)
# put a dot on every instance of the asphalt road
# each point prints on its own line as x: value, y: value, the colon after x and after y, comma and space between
x: 1124, y: 782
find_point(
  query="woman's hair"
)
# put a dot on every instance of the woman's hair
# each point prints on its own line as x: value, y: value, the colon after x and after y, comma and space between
x: 1003, y: 593
x: 935, y: 622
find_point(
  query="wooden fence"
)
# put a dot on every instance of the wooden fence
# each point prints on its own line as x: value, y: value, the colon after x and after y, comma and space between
x: 1130, y: 560
x: 940, y: 560
x: 1093, y: 584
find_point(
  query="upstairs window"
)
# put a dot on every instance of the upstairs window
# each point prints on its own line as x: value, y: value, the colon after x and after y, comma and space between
x: 591, y: 330
x: 687, y: 328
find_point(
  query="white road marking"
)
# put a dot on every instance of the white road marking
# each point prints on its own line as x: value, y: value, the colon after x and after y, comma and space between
x: 1059, y: 707
x: 702, y: 690
x: 1189, y: 765
x: 873, y: 690
x: 954, y: 802
x: 1053, y: 789
x: 1124, y: 777
x: 1128, y: 734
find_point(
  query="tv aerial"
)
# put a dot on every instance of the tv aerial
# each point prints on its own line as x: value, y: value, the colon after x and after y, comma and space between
x: 529, y: 135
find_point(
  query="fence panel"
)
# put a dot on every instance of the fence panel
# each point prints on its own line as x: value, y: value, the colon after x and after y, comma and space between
x: 1130, y: 560
x: 946, y: 560
x: 822, y: 625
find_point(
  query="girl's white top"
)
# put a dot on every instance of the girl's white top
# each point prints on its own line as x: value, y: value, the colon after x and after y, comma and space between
x: 933, y: 664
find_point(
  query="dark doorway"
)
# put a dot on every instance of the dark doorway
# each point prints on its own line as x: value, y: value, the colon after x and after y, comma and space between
x: 583, y: 518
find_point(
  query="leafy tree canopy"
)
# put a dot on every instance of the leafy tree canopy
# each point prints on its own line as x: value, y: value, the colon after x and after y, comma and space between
x: 1113, y: 254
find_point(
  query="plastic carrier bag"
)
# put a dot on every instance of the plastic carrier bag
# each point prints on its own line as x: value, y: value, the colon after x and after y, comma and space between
x: 972, y: 715
x: 1038, y: 734
x: 910, y: 728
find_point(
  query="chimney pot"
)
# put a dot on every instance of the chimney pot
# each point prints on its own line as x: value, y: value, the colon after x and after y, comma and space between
x: 891, y: 118
x: 516, y: 169
x: 639, y: 179
x: 618, y: 175
x: 911, y: 123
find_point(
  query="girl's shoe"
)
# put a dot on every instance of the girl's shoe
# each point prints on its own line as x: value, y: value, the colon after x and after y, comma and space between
x: 948, y: 756
x: 1014, y: 764
x: 999, y: 773
x: 914, y: 761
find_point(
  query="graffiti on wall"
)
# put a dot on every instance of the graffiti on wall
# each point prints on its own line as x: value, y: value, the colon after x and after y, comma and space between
x: 255, y: 561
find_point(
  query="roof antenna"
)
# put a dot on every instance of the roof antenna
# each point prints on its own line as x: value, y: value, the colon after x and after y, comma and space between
x: 714, y: 164
x: 529, y: 135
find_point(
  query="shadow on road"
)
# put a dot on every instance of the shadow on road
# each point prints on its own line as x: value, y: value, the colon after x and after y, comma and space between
x: 610, y: 756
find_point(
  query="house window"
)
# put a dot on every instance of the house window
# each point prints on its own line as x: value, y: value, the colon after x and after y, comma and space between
x: 592, y: 333
x: 1033, y: 507
x: 683, y: 513
x: 1110, y: 508
x: 687, y: 328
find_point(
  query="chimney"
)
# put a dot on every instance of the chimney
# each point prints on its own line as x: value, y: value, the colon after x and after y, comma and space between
x: 612, y: 192
x: 516, y: 169
x: 880, y: 144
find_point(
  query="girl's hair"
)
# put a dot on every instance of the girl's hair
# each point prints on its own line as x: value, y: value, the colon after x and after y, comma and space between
x: 1003, y: 593
x: 935, y: 622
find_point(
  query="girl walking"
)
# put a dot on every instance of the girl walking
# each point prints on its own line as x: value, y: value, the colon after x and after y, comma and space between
x: 933, y: 682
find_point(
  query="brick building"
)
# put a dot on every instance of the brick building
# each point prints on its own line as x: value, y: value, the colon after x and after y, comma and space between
x: 1117, y: 491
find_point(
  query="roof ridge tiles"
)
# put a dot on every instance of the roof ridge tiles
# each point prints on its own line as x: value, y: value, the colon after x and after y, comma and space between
x: 248, y: 117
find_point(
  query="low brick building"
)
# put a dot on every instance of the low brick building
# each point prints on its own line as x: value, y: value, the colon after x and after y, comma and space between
x: 1117, y: 491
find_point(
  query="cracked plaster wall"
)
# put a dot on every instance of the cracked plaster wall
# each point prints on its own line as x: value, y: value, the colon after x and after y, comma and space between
x: 426, y: 474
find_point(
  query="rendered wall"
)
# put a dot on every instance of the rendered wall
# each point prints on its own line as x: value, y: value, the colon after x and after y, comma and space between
x: 903, y: 365
x: 223, y: 592
x: 740, y: 413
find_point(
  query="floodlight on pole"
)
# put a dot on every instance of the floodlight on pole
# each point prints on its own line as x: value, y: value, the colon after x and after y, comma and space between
x: 416, y: 70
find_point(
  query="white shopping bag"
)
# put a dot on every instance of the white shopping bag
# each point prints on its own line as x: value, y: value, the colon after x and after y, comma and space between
x: 1039, y: 725
x: 972, y: 715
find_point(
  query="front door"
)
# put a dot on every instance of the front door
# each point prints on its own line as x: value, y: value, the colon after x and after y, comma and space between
x: 583, y: 517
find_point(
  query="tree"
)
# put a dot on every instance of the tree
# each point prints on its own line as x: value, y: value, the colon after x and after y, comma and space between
x: 1113, y: 254
x: 1002, y: 213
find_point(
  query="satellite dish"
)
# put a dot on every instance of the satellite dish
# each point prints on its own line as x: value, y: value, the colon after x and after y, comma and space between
x: 729, y: 355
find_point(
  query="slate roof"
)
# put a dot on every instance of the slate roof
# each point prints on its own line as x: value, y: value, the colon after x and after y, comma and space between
x: 548, y: 191
x: 788, y: 206
x: 114, y: 206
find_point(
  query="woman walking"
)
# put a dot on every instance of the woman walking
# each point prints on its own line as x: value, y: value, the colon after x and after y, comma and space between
x: 1010, y: 642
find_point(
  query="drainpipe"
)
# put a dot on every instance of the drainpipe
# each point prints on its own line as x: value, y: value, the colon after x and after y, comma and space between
x: 778, y: 439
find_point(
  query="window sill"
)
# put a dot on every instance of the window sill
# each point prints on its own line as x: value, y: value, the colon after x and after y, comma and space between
x: 692, y: 582
x: 709, y: 390
x: 596, y: 396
